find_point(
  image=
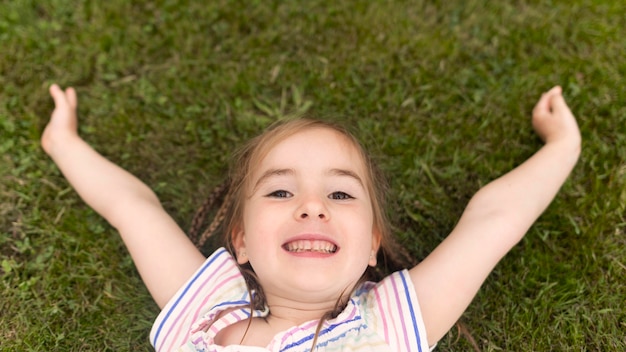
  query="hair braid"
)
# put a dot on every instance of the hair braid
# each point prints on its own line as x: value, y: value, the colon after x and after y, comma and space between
x: 200, y: 217
x: 218, y: 219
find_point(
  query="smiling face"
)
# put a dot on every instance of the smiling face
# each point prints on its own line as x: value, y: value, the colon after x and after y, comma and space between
x: 308, y: 226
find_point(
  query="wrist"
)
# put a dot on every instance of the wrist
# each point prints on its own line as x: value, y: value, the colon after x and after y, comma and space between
x: 56, y: 144
x: 569, y: 148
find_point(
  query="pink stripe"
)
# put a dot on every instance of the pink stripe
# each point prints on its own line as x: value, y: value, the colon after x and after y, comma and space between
x: 399, y: 307
x: 210, y: 294
x: 190, y: 301
x: 199, y: 307
x: 310, y: 324
x: 391, y: 312
x: 295, y: 330
x: 382, y: 313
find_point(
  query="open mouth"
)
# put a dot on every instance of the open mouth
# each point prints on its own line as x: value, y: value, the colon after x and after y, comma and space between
x: 313, y: 246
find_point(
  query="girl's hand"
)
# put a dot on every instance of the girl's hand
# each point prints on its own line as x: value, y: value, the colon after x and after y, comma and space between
x: 552, y: 119
x: 63, y: 124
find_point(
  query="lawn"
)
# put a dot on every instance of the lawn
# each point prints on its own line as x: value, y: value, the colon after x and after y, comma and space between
x: 439, y: 91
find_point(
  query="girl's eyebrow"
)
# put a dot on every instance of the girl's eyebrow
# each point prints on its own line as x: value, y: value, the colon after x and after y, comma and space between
x: 270, y: 173
x: 348, y: 173
x: 281, y: 172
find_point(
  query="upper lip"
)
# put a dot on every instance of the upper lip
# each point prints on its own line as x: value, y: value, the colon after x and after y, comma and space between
x: 311, y: 237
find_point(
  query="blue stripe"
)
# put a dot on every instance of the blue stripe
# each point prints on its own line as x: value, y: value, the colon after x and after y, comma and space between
x: 325, y: 331
x: 407, y: 293
x: 212, y: 259
x: 229, y: 304
x: 333, y: 339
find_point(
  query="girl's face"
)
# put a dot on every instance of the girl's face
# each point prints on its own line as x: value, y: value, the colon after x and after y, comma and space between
x: 307, y: 221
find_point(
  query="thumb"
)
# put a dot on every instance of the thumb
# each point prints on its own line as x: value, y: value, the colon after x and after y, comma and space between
x: 544, y: 105
x: 558, y: 104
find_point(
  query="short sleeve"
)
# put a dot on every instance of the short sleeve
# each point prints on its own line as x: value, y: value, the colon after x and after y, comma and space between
x: 217, y: 280
x: 392, y: 309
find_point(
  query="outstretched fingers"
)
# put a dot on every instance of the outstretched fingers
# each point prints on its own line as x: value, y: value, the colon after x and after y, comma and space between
x: 63, y: 123
x: 62, y: 98
x: 57, y: 95
x: 70, y: 94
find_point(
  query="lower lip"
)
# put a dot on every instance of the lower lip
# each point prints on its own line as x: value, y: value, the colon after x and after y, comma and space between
x: 311, y: 254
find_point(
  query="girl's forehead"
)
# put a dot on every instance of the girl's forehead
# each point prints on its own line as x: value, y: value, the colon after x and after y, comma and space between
x: 315, y: 142
x: 312, y: 148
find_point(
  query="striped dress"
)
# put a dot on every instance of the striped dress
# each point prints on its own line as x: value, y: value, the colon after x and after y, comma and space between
x: 382, y: 316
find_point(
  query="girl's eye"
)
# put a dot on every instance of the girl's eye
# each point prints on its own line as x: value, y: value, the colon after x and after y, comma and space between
x: 280, y: 194
x: 340, y: 196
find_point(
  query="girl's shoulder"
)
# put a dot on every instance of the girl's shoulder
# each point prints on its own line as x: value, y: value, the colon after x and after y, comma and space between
x: 392, y: 305
x: 215, y: 288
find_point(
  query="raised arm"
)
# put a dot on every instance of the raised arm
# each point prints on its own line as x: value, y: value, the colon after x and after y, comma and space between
x: 163, y: 254
x: 496, y: 218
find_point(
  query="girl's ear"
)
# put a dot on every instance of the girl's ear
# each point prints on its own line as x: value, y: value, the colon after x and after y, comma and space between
x: 376, y: 239
x: 239, y: 244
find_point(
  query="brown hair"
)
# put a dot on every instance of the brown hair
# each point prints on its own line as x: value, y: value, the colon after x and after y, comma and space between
x: 391, y: 256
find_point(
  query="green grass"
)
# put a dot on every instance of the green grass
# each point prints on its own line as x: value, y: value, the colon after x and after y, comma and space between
x: 440, y: 92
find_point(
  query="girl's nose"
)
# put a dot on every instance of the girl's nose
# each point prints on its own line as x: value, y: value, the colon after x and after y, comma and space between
x: 305, y: 215
x: 312, y: 208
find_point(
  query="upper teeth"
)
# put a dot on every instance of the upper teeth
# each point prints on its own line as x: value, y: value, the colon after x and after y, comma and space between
x: 311, y: 246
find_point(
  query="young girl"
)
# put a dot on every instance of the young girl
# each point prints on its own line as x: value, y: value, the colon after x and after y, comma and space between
x: 304, y: 230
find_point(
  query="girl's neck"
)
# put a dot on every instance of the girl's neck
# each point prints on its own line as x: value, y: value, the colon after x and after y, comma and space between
x: 285, y: 310
x: 297, y: 313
